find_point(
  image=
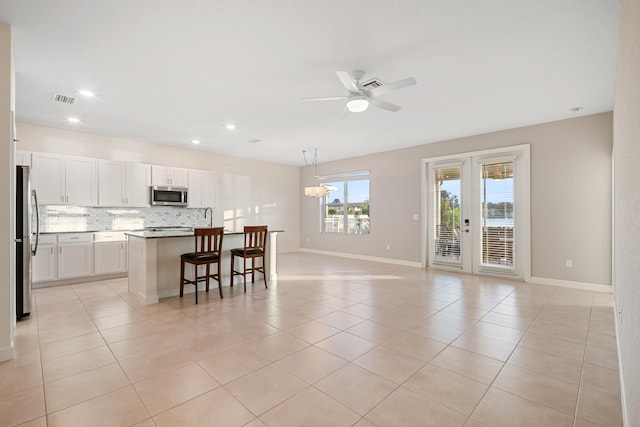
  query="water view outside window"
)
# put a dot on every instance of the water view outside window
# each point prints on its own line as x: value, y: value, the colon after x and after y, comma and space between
x: 497, y: 188
x: 346, y: 208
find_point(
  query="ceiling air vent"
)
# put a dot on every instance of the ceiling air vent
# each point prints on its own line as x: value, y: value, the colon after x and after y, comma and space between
x: 372, y: 84
x: 64, y: 99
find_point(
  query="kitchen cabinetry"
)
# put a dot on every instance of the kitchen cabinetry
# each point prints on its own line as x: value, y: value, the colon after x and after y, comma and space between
x: 110, y: 252
x: 75, y: 255
x: 202, y: 189
x: 23, y: 158
x: 137, y: 183
x: 168, y: 176
x: 45, y: 262
x: 79, y: 255
x: 65, y: 180
x: 123, y: 184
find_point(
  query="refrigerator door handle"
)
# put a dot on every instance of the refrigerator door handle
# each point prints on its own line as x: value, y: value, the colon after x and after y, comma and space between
x: 35, y: 197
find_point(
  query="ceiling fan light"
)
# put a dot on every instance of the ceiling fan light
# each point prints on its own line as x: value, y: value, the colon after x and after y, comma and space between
x: 357, y: 104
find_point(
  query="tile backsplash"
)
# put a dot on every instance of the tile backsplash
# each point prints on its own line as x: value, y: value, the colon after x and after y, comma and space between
x: 55, y: 219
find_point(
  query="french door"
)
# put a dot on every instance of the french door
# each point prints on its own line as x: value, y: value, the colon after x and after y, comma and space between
x: 477, y: 212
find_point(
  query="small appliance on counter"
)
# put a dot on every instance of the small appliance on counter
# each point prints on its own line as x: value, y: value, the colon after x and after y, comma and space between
x: 26, y: 240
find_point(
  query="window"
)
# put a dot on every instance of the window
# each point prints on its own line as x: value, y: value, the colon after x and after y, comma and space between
x: 345, y: 209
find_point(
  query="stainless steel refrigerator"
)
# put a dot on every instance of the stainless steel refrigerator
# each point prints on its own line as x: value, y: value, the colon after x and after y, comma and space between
x: 27, y: 236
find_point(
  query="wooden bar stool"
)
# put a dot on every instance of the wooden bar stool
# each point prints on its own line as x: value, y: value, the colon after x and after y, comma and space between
x: 255, y: 238
x: 207, y: 252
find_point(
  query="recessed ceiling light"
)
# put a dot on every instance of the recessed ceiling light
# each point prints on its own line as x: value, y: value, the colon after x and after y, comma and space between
x: 230, y: 126
x: 74, y: 119
x: 87, y: 93
x: 195, y: 141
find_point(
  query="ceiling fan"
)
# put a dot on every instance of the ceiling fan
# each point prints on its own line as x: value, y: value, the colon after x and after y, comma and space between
x: 361, y: 94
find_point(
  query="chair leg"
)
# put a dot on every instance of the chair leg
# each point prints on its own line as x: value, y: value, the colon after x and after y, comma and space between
x: 195, y: 283
x: 264, y: 274
x: 208, y: 274
x: 232, y: 267
x: 219, y: 280
x: 244, y: 273
x: 253, y: 270
x: 181, y: 278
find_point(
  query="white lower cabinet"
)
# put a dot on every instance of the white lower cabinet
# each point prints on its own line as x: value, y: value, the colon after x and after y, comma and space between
x: 75, y: 255
x: 45, y: 262
x: 110, y: 253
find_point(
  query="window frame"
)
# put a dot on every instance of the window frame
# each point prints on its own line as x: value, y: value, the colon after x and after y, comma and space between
x: 344, y: 178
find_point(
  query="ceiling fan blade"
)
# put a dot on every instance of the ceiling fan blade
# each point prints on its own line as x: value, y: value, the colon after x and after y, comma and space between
x: 392, y: 86
x: 326, y: 98
x: 384, y: 105
x: 347, y: 81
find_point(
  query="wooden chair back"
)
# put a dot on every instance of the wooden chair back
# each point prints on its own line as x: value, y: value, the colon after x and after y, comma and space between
x: 208, y: 240
x: 255, y: 237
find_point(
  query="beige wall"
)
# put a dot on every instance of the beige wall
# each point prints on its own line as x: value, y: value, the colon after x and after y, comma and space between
x: 626, y: 130
x: 570, y: 198
x: 249, y: 191
x: 7, y: 196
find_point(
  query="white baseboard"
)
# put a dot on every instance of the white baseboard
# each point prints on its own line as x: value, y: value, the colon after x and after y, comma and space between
x: 148, y: 299
x: 364, y: 257
x: 75, y: 281
x: 6, y: 353
x: 625, y: 412
x: 594, y: 287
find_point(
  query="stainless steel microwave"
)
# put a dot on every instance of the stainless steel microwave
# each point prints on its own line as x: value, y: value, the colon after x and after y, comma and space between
x: 169, y: 196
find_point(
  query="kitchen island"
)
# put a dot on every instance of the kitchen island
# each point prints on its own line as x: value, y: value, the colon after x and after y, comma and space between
x: 154, y: 261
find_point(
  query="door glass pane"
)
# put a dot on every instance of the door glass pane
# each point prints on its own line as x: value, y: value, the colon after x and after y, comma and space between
x: 497, y: 214
x: 358, y: 206
x: 447, y: 219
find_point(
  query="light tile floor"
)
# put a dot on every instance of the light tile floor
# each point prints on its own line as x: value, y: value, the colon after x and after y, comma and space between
x: 334, y: 342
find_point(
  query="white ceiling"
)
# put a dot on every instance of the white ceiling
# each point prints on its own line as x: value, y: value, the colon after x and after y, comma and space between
x: 168, y: 71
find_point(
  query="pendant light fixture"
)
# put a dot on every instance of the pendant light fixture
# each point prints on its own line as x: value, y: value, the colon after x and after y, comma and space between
x: 315, y: 190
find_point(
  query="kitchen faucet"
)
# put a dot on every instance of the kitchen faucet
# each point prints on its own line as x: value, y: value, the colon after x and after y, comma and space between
x: 210, y: 220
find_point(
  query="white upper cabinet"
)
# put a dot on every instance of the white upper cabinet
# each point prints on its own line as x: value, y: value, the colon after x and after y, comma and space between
x: 123, y: 184
x: 81, y: 182
x: 202, y: 189
x: 111, y: 176
x: 23, y: 158
x: 137, y: 183
x: 48, y: 178
x: 65, y: 180
x: 168, y: 176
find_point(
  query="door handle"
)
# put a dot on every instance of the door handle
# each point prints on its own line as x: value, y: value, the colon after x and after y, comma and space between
x: 37, y: 208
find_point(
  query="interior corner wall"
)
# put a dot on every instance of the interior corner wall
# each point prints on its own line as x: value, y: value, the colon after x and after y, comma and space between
x: 570, y: 198
x: 626, y: 131
x: 7, y: 250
